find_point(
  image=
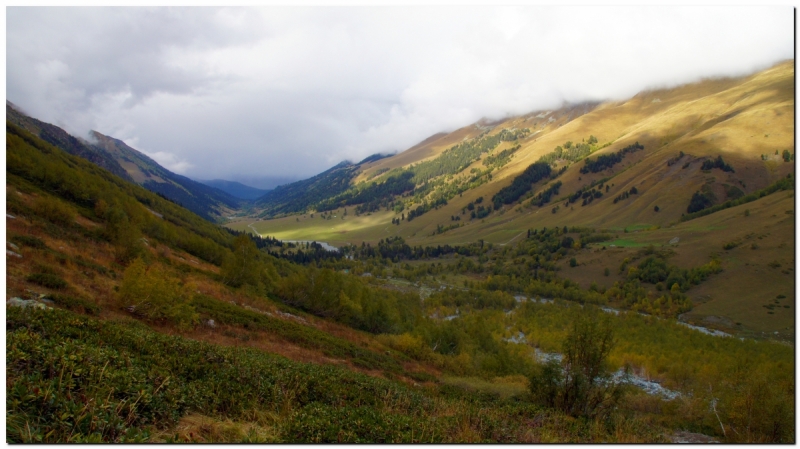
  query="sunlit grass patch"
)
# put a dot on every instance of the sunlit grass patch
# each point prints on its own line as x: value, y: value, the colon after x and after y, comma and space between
x: 503, y: 387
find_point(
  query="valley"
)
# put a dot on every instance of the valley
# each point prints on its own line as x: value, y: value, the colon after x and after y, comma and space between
x: 746, y: 122
x: 608, y: 272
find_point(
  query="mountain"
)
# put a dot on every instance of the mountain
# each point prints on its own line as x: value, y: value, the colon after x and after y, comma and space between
x: 664, y: 143
x: 57, y: 136
x: 236, y: 189
x: 698, y: 171
x: 206, y: 201
x: 264, y: 182
x: 299, y: 196
x: 131, y: 165
x: 131, y: 319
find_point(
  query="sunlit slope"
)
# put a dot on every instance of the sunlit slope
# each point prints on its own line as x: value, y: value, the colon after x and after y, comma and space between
x: 738, y: 119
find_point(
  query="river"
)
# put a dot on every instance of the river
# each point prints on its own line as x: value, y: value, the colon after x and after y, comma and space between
x: 324, y: 245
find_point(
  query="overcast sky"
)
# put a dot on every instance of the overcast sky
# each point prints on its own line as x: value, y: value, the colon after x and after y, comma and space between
x: 283, y: 91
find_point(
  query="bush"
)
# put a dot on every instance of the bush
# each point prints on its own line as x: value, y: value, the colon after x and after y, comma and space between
x: 54, y: 211
x: 29, y: 240
x: 75, y: 304
x: 156, y: 296
x: 581, y: 384
x: 48, y: 280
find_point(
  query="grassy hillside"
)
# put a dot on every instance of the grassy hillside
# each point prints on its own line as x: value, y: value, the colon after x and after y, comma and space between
x: 701, y: 145
x: 206, y: 201
x: 60, y: 138
x: 167, y: 328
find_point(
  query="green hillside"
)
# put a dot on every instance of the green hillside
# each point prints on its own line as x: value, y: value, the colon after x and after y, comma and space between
x: 640, y: 170
x: 208, y: 202
x: 132, y: 319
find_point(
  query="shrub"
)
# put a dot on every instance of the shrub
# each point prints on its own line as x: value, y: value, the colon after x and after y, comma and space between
x: 29, y: 240
x: 54, y: 211
x: 75, y: 304
x: 153, y: 294
x: 581, y: 384
x: 48, y: 280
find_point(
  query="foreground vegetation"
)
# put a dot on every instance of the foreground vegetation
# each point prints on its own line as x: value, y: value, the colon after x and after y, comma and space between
x: 176, y: 330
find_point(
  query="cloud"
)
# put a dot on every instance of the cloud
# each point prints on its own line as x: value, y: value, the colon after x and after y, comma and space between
x: 170, y: 161
x: 280, y: 91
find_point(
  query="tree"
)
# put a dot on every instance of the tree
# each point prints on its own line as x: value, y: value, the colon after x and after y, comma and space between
x: 582, y: 383
x: 786, y: 156
x: 245, y: 266
x: 153, y: 294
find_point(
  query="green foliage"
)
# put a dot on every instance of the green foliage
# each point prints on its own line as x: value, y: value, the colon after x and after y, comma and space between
x: 299, y: 196
x: 699, y: 201
x: 717, y: 163
x: 571, y: 153
x: 86, y: 186
x: 521, y: 184
x: 471, y: 300
x: 345, y: 298
x: 29, y: 241
x: 606, y: 161
x: 502, y: 158
x: 779, y: 185
x: 153, y: 294
x: 371, y: 196
x: 454, y: 159
x: 54, y: 211
x: 301, y: 335
x: 674, y: 160
x: 581, y: 385
x: 75, y: 304
x: 247, y: 266
x: 49, y: 280
x: 75, y: 379
x: 544, y: 196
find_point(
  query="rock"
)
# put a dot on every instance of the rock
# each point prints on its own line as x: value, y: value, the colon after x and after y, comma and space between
x: 13, y: 254
x: 13, y: 246
x: 674, y: 241
x: 10, y: 216
x: 25, y: 303
x: 211, y: 324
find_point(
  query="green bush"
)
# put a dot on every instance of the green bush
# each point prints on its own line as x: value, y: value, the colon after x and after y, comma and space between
x: 54, y: 211
x: 48, y: 280
x: 75, y: 304
x: 152, y: 293
x: 29, y: 240
x: 581, y: 384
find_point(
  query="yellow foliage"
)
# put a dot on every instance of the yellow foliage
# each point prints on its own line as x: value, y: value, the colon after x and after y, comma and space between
x: 155, y: 295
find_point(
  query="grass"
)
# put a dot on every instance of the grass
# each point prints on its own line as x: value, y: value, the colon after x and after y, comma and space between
x: 81, y: 380
x: 502, y: 387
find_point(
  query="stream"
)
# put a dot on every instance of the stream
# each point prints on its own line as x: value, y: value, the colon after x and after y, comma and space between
x: 650, y: 387
x: 324, y: 245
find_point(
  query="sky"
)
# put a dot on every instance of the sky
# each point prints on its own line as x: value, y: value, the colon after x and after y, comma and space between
x: 287, y: 92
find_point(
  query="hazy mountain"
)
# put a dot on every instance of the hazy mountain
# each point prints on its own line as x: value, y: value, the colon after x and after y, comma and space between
x: 72, y: 145
x: 236, y: 189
